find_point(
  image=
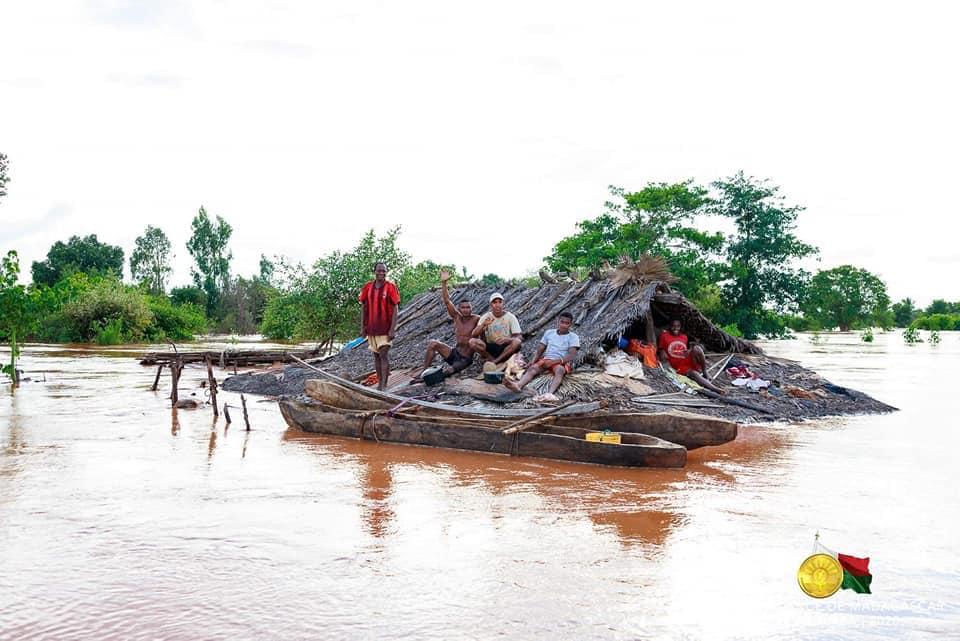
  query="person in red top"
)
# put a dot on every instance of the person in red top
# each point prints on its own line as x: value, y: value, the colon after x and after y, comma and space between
x: 686, y: 360
x: 378, y: 322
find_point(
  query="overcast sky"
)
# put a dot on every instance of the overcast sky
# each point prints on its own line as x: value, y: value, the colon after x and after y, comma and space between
x: 486, y: 130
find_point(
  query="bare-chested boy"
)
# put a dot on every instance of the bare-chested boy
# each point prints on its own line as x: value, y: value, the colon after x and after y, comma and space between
x: 464, y: 321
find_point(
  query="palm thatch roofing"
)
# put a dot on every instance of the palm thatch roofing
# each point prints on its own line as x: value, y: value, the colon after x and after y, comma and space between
x: 603, y: 310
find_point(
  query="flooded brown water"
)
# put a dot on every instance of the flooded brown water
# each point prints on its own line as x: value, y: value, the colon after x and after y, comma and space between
x: 120, y: 519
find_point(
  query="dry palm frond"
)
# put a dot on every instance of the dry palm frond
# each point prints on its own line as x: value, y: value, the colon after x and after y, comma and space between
x: 645, y: 269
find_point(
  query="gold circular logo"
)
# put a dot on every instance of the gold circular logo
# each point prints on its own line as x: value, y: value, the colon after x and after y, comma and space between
x: 820, y: 575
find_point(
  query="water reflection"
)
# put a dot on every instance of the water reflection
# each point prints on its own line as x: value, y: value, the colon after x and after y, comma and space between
x: 633, y: 504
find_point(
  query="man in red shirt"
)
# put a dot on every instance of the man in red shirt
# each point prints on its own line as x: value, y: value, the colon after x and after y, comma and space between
x: 685, y: 360
x: 378, y: 322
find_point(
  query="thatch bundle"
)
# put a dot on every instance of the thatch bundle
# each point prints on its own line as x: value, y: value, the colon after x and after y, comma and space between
x: 603, y: 310
x: 646, y: 269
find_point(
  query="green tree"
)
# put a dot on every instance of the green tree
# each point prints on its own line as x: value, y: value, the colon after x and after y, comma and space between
x: 329, y: 308
x: 4, y: 177
x: 760, y: 281
x: 16, y: 312
x: 267, y: 269
x: 491, y: 280
x: 189, y: 295
x: 208, y: 246
x: 87, y: 255
x: 903, y: 312
x: 940, y: 306
x: 657, y: 220
x: 416, y: 279
x: 150, y: 260
x: 242, y: 305
x: 321, y: 303
x: 847, y: 297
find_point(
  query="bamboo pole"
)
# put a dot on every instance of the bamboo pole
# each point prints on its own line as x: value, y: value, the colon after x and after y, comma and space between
x: 723, y: 364
x: 156, y: 381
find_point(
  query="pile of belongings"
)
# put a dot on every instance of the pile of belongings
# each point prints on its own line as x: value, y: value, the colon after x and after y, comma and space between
x: 619, y: 363
x: 741, y: 376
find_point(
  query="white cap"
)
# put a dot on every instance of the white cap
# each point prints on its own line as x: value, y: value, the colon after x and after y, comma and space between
x: 495, y: 295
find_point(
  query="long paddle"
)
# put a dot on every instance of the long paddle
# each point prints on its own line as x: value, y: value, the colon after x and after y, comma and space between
x: 527, y: 422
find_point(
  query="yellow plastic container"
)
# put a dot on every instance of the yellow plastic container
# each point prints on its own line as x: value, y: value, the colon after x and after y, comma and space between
x: 605, y: 436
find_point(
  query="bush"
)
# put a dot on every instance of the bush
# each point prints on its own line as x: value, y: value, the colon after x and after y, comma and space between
x: 867, y: 335
x: 937, y: 322
x: 174, y: 322
x: 911, y: 336
x: 91, y: 314
x: 733, y: 330
x: 280, y: 318
x: 109, y: 334
x: 191, y: 295
x: 802, y: 323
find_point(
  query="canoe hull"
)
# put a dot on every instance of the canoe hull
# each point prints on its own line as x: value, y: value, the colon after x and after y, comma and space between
x: 645, y: 451
x: 684, y: 428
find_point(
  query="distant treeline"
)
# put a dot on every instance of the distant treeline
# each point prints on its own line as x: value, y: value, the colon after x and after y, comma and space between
x: 746, y: 281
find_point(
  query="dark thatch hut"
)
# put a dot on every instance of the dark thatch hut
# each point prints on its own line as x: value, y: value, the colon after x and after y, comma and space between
x: 602, y: 309
x: 634, y: 300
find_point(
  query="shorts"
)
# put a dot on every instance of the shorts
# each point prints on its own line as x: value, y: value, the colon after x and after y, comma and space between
x: 567, y: 367
x: 682, y: 365
x: 458, y: 361
x: 375, y: 343
x: 495, y: 349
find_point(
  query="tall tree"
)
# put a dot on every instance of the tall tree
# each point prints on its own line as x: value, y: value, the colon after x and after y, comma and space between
x: 903, y: 312
x: 321, y: 303
x: 267, y: 269
x: 760, y: 277
x: 87, y: 255
x: 16, y: 312
x: 4, y: 178
x: 847, y: 297
x: 658, y: 220
x: 208, y: 246
x: 941, y: 306
x: 150, y: 260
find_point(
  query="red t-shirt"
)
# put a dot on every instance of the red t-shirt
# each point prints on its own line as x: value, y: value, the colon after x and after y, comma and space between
x: 676, y: 349
x: 378, y: 310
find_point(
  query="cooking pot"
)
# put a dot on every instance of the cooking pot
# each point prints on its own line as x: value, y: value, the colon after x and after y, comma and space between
x: 433, y: 376
x: 494, y: 378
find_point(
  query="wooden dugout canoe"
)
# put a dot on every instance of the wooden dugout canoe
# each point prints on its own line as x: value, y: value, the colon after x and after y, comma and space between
x: 542, y: 441
x: 683, y: 428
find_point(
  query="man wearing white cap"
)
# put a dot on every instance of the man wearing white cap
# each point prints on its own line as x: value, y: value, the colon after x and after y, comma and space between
x: 500, y: 332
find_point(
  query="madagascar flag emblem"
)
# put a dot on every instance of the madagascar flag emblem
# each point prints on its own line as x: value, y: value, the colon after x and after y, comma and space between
x: 856, y: 573
x: 825, y: 572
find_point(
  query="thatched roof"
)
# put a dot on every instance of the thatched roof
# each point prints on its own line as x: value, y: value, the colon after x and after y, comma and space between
x: 602, y: 310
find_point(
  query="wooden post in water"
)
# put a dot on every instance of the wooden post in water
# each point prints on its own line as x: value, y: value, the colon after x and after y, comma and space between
x: 156, y: 381
x: 226, y: 413
x: 175, y: 376
x: 213, y: 386
x: 246, y: 418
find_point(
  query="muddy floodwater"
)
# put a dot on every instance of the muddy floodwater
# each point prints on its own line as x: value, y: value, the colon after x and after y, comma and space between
x: 123, y: 519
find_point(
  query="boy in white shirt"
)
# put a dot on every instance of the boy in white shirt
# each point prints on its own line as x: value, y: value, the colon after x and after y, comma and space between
x: 555, y: 353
